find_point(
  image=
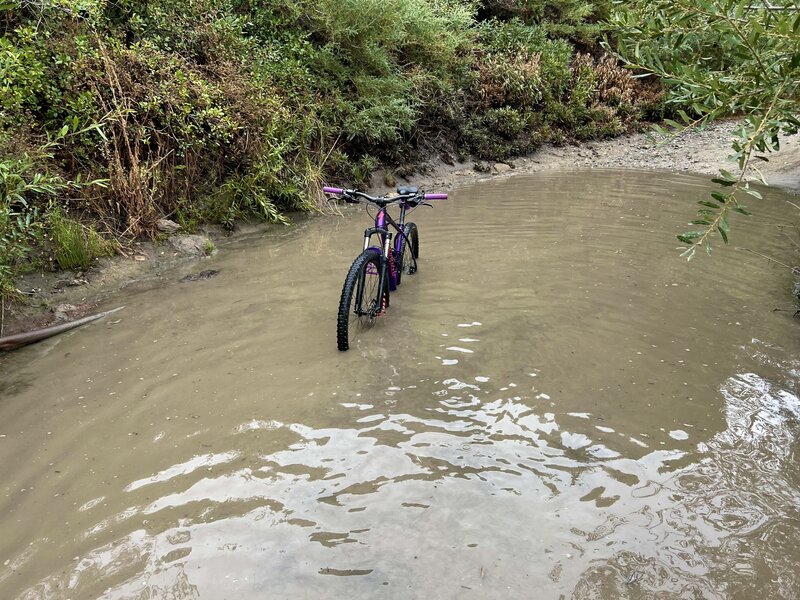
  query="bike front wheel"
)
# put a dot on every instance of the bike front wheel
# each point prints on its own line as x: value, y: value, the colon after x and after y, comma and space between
x: 361, y: 301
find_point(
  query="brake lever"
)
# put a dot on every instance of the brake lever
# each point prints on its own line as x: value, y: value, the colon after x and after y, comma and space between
x: 419, y: 201
x: 348, y: 199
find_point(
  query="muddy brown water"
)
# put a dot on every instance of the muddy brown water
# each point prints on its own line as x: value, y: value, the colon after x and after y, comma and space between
x: 556, y: 405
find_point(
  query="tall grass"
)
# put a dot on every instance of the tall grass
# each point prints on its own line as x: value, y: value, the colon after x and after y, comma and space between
x: 75, y: 245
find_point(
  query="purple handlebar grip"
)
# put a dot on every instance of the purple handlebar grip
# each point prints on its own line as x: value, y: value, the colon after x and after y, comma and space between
x: 330, y: 190
x: 435, y: 196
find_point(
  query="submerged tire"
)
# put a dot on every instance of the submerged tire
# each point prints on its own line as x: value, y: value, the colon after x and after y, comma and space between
x: 361, y: 300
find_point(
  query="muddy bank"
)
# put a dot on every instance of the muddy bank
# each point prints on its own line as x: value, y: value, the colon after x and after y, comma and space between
x: 703, y: 152
x: 57, y: 297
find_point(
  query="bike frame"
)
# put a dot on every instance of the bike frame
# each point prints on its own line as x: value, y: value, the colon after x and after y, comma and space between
x: 383, y: 220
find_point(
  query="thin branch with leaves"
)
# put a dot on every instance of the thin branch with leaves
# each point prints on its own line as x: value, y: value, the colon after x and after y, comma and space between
x: 719, y: 59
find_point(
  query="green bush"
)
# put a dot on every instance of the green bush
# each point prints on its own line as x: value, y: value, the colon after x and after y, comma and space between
x: 221, y: 110
x: 23, y: 75
x: 581, y: 22
x: 22, y: 186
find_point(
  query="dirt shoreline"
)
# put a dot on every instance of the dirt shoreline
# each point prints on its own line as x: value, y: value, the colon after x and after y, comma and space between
x: 63, y: 296
x: 703, y: 152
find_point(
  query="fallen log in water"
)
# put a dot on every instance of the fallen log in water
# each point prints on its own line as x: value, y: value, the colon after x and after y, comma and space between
x: 12, y: 342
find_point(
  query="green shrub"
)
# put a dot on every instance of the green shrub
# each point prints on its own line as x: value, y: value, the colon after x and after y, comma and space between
x: 22, y: 187
x: 19, y: 230
x: 508, y: 122
x: 509, y: 80
x: 522, y: 71
x: 221, y: 110
x: 23, y: 75
x: 501, y: 133
x: 511, y: 36
x: 581, y: 22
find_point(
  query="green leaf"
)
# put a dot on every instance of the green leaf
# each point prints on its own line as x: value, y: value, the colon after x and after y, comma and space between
x: 723, y: 234
x: 720, y: 196
x: 700, y: 222
x: 723, y: 182
x: 709, y: 204
x: 753, y: 193
x: 742, y: 210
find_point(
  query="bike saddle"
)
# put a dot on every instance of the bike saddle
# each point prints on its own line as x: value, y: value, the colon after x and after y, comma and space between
x: 407, y: 190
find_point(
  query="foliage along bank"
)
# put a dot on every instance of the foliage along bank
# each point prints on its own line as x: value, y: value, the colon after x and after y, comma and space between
x: 113, y: 115
x: 720, y: 59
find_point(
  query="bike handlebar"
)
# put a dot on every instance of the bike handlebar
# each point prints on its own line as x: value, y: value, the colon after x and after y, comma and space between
x: 351, y: 193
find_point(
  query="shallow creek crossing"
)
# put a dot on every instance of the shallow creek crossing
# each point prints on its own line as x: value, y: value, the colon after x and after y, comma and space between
x: 556, y: 405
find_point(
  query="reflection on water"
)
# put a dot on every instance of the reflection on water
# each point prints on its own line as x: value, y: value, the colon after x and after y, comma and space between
x: 494, y: 446
x: 384, y: 497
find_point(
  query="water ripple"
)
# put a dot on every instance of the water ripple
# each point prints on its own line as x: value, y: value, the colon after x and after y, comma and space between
x: 605, y: 426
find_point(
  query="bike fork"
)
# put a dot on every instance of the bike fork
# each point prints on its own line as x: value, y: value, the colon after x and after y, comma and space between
x: 383, y: 282
x: 383, y: 274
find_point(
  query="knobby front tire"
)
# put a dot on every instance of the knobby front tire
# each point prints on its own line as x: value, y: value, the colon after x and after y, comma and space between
x: 361, y: 300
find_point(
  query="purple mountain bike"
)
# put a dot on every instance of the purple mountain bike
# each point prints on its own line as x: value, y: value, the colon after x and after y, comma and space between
x: 380, y: 267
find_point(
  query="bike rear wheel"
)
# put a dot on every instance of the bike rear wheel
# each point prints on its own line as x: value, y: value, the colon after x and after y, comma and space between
x: 361, y: 301
x: 406, y: 262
